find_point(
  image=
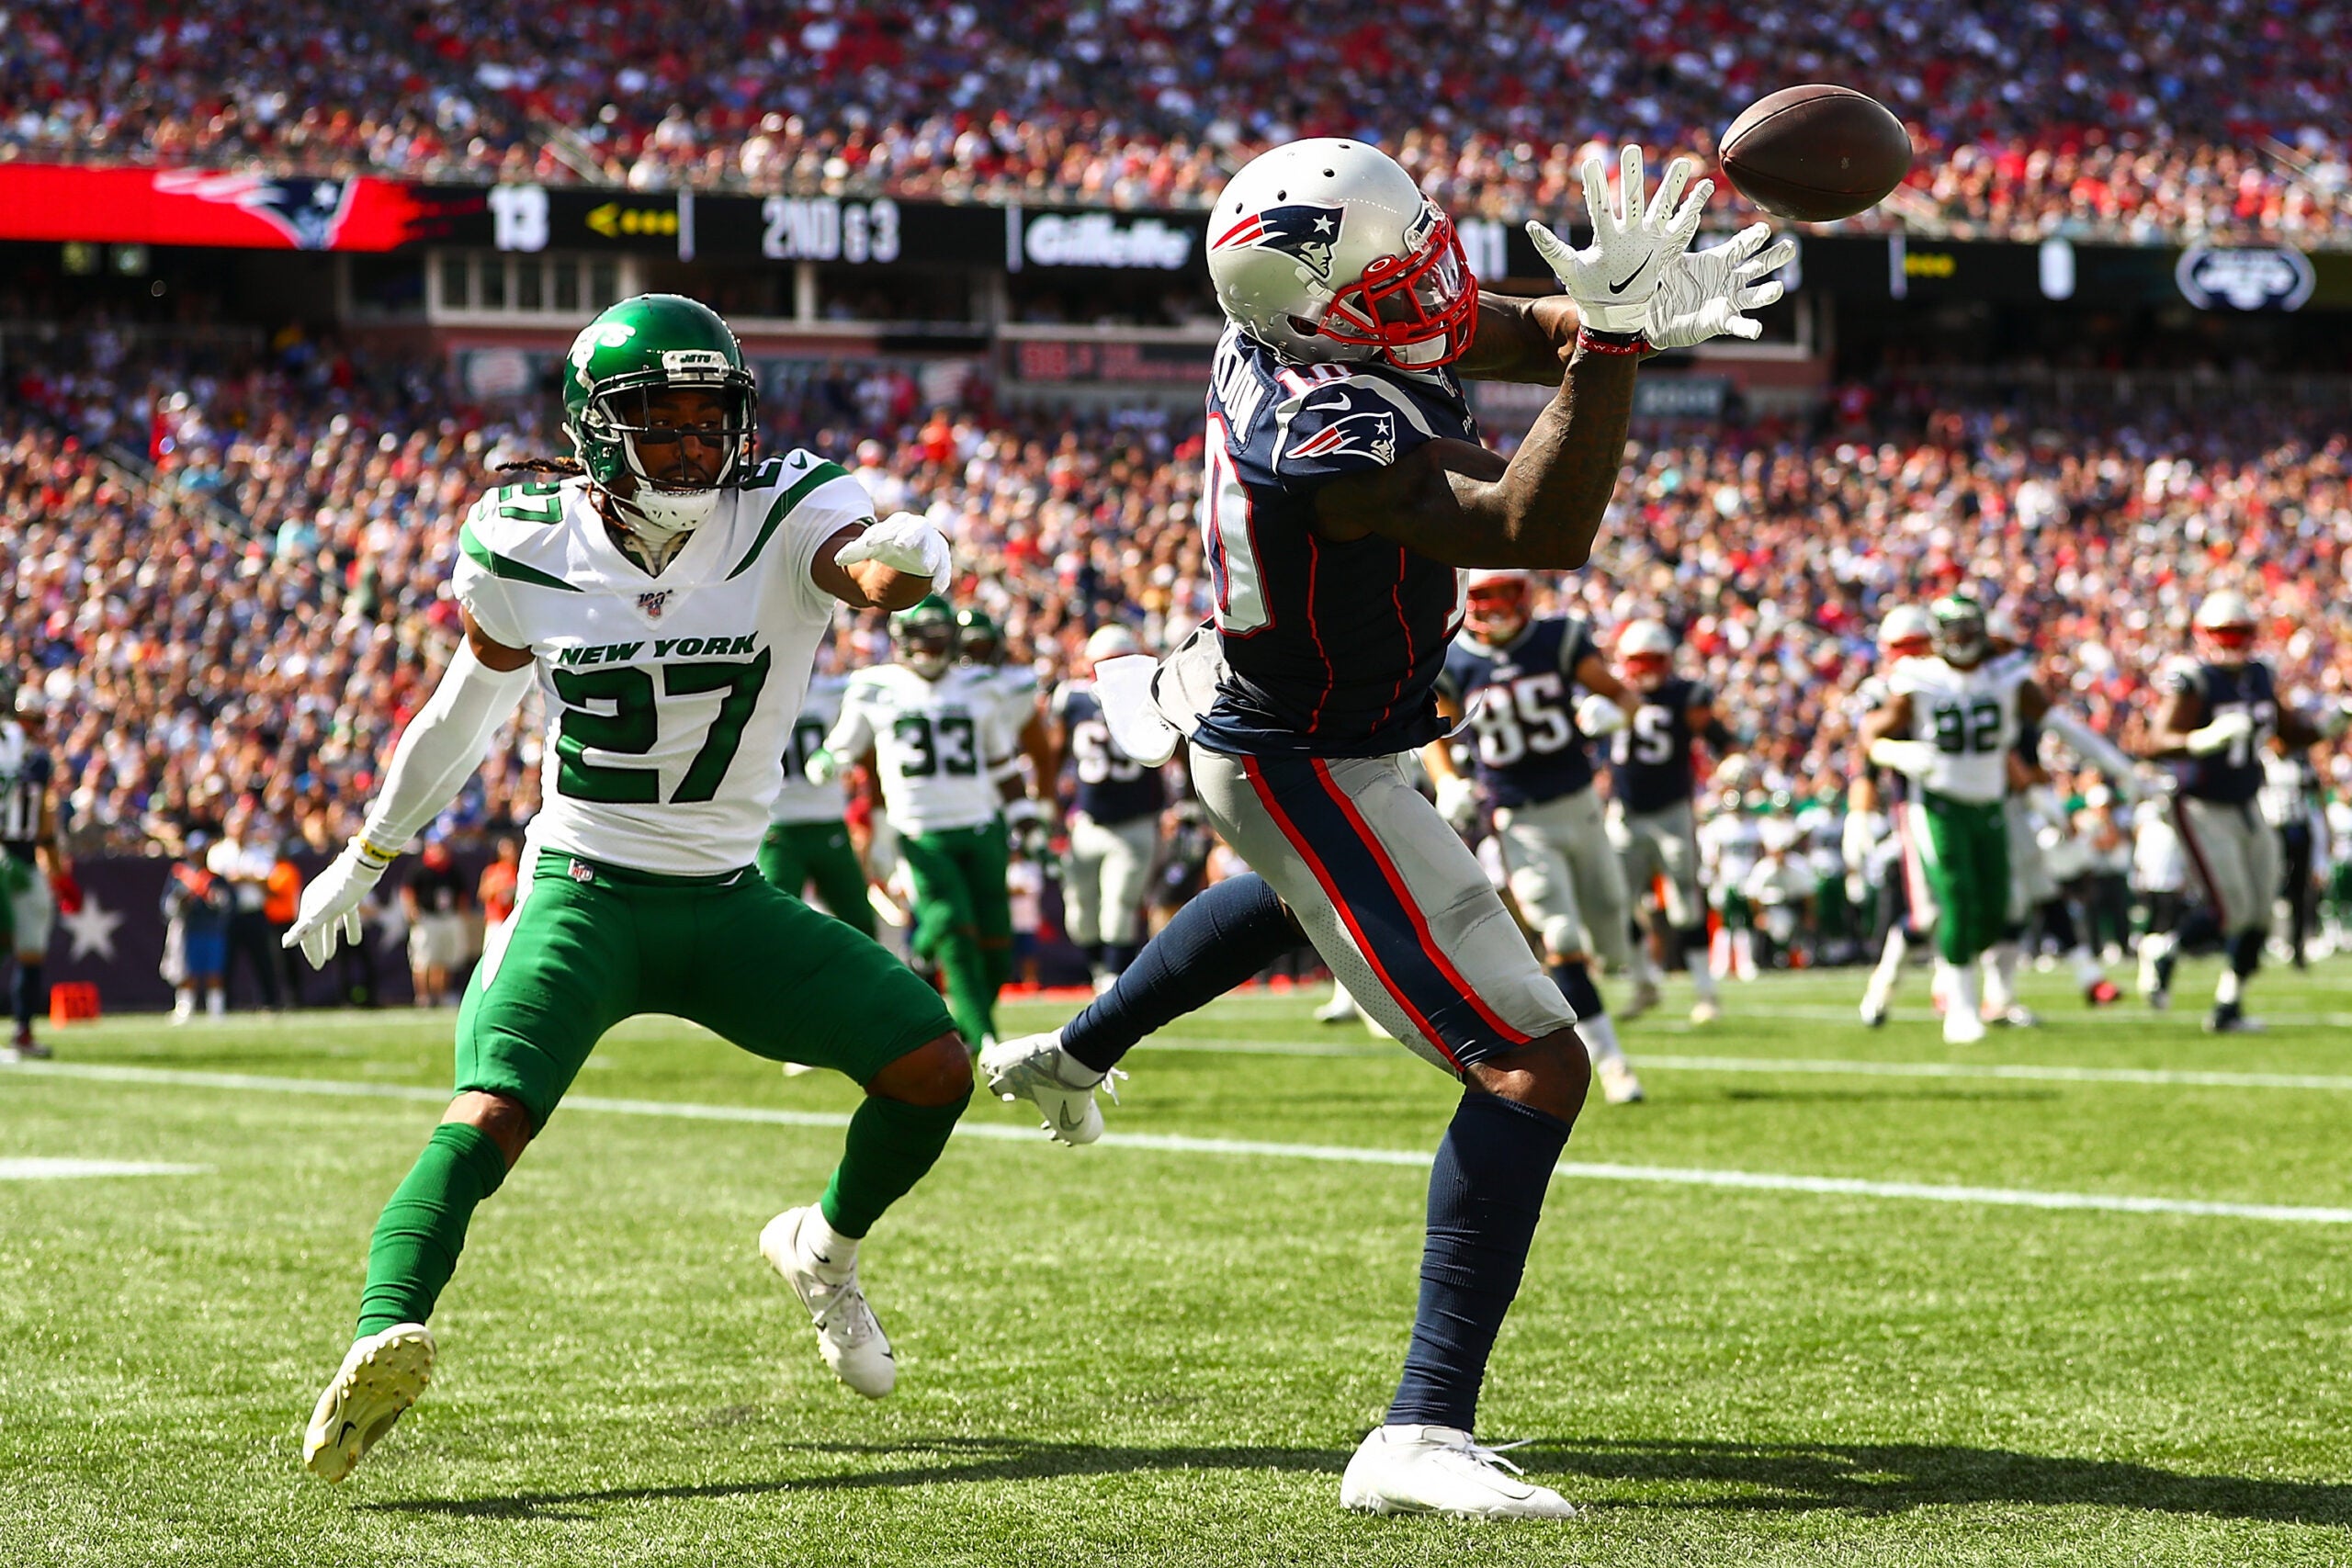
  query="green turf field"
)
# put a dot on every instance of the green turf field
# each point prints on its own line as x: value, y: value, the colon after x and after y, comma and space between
x: 1163, y: 1350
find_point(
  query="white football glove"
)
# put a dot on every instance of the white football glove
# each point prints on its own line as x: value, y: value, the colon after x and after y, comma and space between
x: 823, y: 767
x: 331, y: 904
x: 1709, y: 293
x: 1597, y: 715
x: 1612, y: 278
x: 1457, y: 802
x: 903, y: 542
x: 2225, y: 731
x: 1914, y: 758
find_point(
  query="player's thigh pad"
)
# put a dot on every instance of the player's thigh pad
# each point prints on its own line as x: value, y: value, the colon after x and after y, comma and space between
x: 942, y: 900
x: 1126, y: 878
x: 761, y: 968
x: 1391, y: 898
x: 1542, y: 880
x: 1082, y: 883
x: 1673, y: 836
x: 2222, y: 861
x: 32, y: 916
x: 1583, y: 837
x: 565, y: 967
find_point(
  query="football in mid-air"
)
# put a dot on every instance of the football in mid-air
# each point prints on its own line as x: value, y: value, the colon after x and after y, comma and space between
x: 1816, y: 152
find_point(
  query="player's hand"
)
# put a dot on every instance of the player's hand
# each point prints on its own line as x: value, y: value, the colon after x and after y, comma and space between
x: 1597, y: 715
x: 1612, y: 278
x: 823, y: 767
x: 2224, y: 732
x: 331, y: 904
x: 1457, y: 802
x: 1914, y: 758
x: 903, y: 542
x: 1709, y: 293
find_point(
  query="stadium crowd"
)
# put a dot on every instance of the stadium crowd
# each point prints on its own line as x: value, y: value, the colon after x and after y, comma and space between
x: 258, y: 618
x: 2191, y: 119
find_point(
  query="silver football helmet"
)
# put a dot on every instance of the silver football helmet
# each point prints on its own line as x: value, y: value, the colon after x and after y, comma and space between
x: 1325, y: 250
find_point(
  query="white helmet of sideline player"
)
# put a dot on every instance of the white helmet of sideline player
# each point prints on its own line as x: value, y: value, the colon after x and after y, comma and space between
x: 1325, y: 250
x: 2225, y: 625
x: 1496, y: 602
x: 1111, y: 640
x: 1906, y: 632
x: 1648, y: 649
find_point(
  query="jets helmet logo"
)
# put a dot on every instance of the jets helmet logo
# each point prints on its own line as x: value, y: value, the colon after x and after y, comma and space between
x: 1305, y: 229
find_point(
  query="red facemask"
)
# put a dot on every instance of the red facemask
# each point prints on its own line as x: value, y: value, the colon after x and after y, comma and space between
x: 1647, y: 670
x: 1405, y: 302
x: 1494, y: 614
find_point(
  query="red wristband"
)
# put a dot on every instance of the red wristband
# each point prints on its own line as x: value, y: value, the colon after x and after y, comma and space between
x: 1610, y: 343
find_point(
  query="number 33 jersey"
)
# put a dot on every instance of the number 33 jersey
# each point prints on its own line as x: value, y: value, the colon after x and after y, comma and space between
x: 669, y: 699
x: 933, y: 741
x: 1520, y: 702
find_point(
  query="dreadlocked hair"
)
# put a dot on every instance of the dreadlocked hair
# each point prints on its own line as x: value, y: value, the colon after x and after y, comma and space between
x: 568, y: 467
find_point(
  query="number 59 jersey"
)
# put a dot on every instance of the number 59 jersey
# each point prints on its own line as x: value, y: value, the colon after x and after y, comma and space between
x: 1522, y: 717
x: 933, y: 742
x: 669, y: 699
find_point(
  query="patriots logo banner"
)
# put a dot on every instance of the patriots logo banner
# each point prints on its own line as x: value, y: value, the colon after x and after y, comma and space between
x: 1305, y: 229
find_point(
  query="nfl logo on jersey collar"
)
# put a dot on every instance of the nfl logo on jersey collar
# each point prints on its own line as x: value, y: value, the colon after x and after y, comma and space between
x: 650, y: 606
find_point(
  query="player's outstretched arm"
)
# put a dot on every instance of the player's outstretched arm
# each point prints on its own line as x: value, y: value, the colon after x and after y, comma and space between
x: 889, y: 565
x: 438, y: 752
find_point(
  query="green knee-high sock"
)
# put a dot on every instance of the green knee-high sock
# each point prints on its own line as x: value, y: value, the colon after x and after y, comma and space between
x: 890, y: 1146
x: 969, y: 996
x: 423, y: 1227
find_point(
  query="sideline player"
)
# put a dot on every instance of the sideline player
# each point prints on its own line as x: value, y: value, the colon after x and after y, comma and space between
x: 2220, y: 711
x: 667, y: 599
x: 1114, y: 820
x: 1882, y: 833
x: 1651, y: 822
x: 808, y: 839
x: 1513, y: 675
x: 1344, y: 487
x: 30, y: 862
x: 939, y: 735
x: 1951, y: 722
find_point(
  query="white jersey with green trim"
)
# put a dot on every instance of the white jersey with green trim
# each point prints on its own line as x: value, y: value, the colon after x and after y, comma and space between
x: 934, y: 742
x: 1970, y: 716
x: 670, y: 698
x: 1016, y: 687
x: 799, y: 800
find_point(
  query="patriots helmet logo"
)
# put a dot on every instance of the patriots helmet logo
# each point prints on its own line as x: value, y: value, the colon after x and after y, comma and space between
x: 1305, y: 229
x: 1369, y: 433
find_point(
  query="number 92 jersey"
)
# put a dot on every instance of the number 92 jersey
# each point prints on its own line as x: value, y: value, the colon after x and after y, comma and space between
x: 669, y: 699
x: 934, y: 742
x: 1969, y: 717
x: 1522, y: 722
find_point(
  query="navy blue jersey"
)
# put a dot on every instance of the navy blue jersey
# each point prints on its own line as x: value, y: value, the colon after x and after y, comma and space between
x: 1112, y: 787
x: 1520, y: 704
x: 1330, y: 650
x: 25, y: 772
x: 2235, y: 774
x: 1649, y: 760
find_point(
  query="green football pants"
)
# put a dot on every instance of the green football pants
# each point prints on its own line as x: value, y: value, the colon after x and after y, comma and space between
x: 1966, y: 858
x: 795, y: 854
x: 963, y: 919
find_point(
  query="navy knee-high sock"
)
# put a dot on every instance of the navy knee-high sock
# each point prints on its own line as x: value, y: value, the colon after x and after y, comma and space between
x: 1220, y: 939
x: 1485, y: 1195
x: 31, y: 986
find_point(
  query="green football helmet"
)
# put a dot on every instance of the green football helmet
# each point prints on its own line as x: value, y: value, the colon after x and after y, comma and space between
x: 979, y: 639
x: 1960, y: 638
x: 923, y: 634
x: 618, y: 363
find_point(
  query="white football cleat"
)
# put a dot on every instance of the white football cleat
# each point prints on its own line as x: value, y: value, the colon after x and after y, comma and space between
x: 1962, y: 1027
x: 1618, y: 1083
x: 1340, y: 1008
x: 1644, y: 997
x: 1705, y: 1013
x: 848, y: 1336
x: 1036, y: 1069
x: 1438, y: 1469
x: 381, y: 1375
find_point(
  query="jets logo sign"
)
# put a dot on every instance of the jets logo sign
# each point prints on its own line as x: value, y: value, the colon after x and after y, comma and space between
x: 2245, y: 278
x: 1305, y: 229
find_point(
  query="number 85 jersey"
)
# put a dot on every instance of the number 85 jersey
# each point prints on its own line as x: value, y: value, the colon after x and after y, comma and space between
x: 933, y: 741
x: 669, y: 699
x: 1522, y: 718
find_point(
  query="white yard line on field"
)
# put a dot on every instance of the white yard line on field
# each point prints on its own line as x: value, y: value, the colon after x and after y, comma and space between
x: 1170, y: 1143
x: 66, y: 1169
